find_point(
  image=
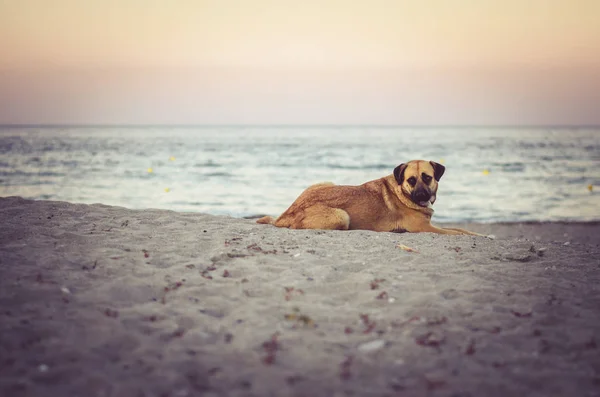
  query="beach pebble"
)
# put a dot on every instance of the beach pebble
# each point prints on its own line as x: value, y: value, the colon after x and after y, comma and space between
x: 567, y: 243
x: 491, y: 236
x: 65, y: 290
x: 43, y: 368
x: 371, y: 346
x: 541, y: 251
x: 296, y: 255
x: 392, y: 300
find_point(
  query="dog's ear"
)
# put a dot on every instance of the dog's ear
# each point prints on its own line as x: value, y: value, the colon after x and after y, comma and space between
x: 399, y: 173
x: 438, y: 170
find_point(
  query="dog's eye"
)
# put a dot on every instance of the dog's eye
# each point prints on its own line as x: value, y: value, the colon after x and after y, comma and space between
x: 426, y: 178
x: 412, y: 181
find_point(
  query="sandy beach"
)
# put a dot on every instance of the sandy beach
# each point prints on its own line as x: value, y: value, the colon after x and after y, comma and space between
x: 106, y: 301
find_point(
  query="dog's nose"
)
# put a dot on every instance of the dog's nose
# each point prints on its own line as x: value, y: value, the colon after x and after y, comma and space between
x: 422, y: 195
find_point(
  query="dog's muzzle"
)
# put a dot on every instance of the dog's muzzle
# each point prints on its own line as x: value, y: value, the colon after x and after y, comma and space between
x: 421, y: 197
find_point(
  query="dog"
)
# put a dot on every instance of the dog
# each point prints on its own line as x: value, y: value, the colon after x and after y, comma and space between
x: 399, y: 202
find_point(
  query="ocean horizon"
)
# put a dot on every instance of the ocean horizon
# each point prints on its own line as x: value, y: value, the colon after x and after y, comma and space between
x: 493, y: 174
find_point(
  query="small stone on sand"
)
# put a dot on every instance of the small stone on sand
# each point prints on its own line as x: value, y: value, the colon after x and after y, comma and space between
x: 371, y: 346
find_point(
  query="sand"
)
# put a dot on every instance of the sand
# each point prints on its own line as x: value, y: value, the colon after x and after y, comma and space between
x: 106, y: 301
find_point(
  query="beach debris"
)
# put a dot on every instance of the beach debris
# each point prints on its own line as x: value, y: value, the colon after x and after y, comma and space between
x: 348, y: 330
x: 383, y: 295
x: 65, y: 291
x: 146, y: 253
x: 178, y: 333
x: 345, y: 365
x: 520, y: 314
x: 430, y: 339
x: 169, y: 288
x: 407, y: 249
x: 111, y: 313
x: 43, y: 368
x: 567, y: 243
x: 214, y: 371
x: 150, y: 170
x: 290, y: 290
x: 441, y: 161
x: 300, y: 319
x: 271, y: 347
x: 234, y: 241
x: 226, y: 273
x: 449, y: 293
x: 486, y: 171
x: 172, y: 158
x: 293, y: 379
x: 375, y: 283
x: 403, y: 323
x: 517, y: 257
x: 538, y: 251
x: 590, y: 187
x: 391, y: 300
x: 470, y: 350
x: 205, y: 273
x: 436, y: 320
x: 369, y: 325
x: 228, y: 337
x: 372, y: 346
x: 174, y: 286
x: 433, y: 384
x: 254, y: 247
x: 296, y: 255
x: 167, y: 190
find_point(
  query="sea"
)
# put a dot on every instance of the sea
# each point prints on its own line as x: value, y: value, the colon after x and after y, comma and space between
x: 511, y: 174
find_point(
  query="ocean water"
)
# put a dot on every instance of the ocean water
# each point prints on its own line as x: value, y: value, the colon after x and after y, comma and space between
x: 492, y: 174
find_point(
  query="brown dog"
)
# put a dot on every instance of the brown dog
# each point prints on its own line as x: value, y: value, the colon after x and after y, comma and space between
x: 396, y: 203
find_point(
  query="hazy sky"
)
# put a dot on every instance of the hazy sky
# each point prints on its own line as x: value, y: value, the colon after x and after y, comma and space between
x: 310, y: 62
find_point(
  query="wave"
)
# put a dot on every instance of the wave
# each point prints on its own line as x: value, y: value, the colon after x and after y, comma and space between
x: 208, y: 164
x: 361, y: 167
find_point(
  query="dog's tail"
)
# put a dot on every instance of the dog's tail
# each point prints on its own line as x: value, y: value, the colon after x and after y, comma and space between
x: 266, y: 220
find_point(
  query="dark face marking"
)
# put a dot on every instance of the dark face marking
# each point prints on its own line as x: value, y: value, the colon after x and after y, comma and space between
x: 426, y: 178
x: 412, y: 181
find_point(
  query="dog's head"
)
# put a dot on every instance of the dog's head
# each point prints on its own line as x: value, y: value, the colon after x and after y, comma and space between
x: 418, y: 180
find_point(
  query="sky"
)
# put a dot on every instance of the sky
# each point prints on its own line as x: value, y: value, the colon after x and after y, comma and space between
x: 412, y: 62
